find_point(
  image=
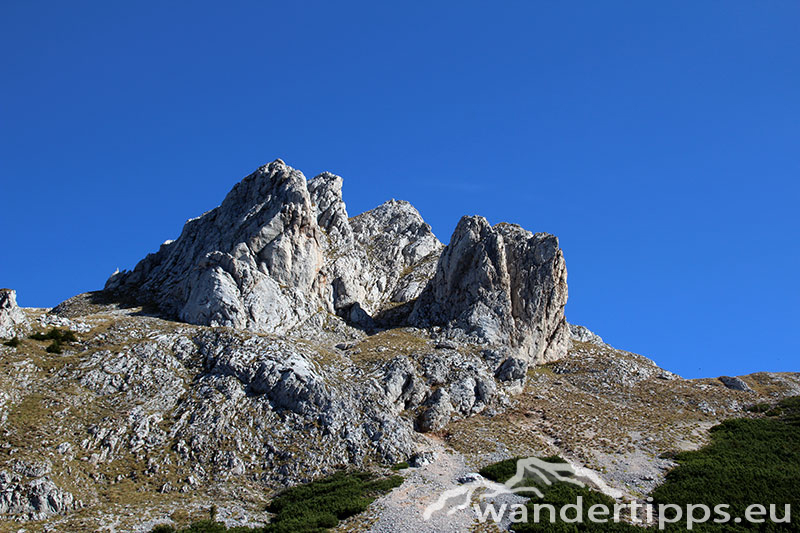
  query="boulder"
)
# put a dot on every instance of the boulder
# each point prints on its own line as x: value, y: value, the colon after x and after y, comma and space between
x: 512, y: 369
x: 735, y: 383
x: 437, y: 412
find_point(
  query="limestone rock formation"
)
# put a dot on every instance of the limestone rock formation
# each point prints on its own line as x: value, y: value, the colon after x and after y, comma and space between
x: 392, y: 256
x: 583, y: 334
x: 10, y: 314
x: 250, y: 263
x: 279, y: 250
x: 504, y: 284
x: 735, y: 383
x: 33, y: 499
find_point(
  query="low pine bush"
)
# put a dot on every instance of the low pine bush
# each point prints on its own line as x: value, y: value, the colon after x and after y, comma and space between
x: 557, y: 495
x: 54, y: 347
x: 59, y: 337
x: 749, y: 461
x: 321, y: 504
x: 15, y: 342
x: 310, y: 508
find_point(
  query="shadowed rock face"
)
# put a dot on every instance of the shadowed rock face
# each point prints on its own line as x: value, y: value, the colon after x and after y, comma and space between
x: 504, y: 284
x: 281, y: 249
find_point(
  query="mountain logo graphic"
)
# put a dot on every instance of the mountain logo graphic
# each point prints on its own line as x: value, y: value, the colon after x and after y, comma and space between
x: 527, y: 468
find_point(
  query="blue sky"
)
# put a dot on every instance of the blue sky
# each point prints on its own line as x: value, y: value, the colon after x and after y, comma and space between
x: 659, y: 140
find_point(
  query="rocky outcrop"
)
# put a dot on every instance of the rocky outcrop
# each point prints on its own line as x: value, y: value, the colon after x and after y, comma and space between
x: 252, y: 262
x: 33, y: 499
x: 10, y: 314
x: 326, y: 196
x: 390, y: 260
x: 279, y: 250
x: 504, y: 285
x: 735, y: 383
x: 583, y: 334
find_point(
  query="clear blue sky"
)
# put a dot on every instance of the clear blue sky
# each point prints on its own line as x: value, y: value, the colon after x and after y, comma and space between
x: 659, y: 140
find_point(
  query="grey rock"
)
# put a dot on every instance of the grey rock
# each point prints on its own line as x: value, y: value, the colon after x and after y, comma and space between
x: 471, y: 394
x: 36, y: 499
x: 422, y: 458
x: 32, y: 468
x: 253, y: 262
x: 504, y: 284
x: 278, y: 251
x: 325, y: 191
x: 512, y: 369
x: 470, y: 477
x: 280, y: 254
x: 437, y: 412
x: 391, y: 259
x: 11, y: 315
x: 735, y: 383
x: 583, y: 334
x: 403, y: 387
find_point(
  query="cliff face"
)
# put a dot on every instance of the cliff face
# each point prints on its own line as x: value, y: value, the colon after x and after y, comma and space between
x: 505, y: 285
x: 253, y: 262
x: 10, y: 314
x: 281, y: 250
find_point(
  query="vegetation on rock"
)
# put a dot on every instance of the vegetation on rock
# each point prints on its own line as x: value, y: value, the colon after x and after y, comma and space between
x: 59, y: 338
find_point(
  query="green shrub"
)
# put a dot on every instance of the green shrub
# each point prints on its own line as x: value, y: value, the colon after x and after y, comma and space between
x: 762, y: 407
x: 13, y: 342
x: 68, y: 336
x: 400, y: 466
x: 310, y: 508
x: 791, y: 409
x: 504, y: 470
x: 205, y: 526
x: 748, y: 461
x: 54, y: 347
x: 558, y: 494
x: 320, y: 505
x: 53, y: 334
x: 59, y: 338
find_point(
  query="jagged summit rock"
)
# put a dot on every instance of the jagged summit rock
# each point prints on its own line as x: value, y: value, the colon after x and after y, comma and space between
x: 503, y: 283
x: 10, y: 314
x: 253, y: 262
x: 393, y: 256
x: 584, y: 334
x: 280, y: 249
x: 326, y: 196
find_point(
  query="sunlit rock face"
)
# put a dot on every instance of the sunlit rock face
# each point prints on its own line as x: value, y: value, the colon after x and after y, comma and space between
x: 280, y: 250
x: 503, y: 284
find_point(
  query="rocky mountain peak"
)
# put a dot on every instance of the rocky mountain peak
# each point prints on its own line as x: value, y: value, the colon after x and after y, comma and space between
x: 281, y: 249
x: 250, y: 263
x: 326, y: 196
